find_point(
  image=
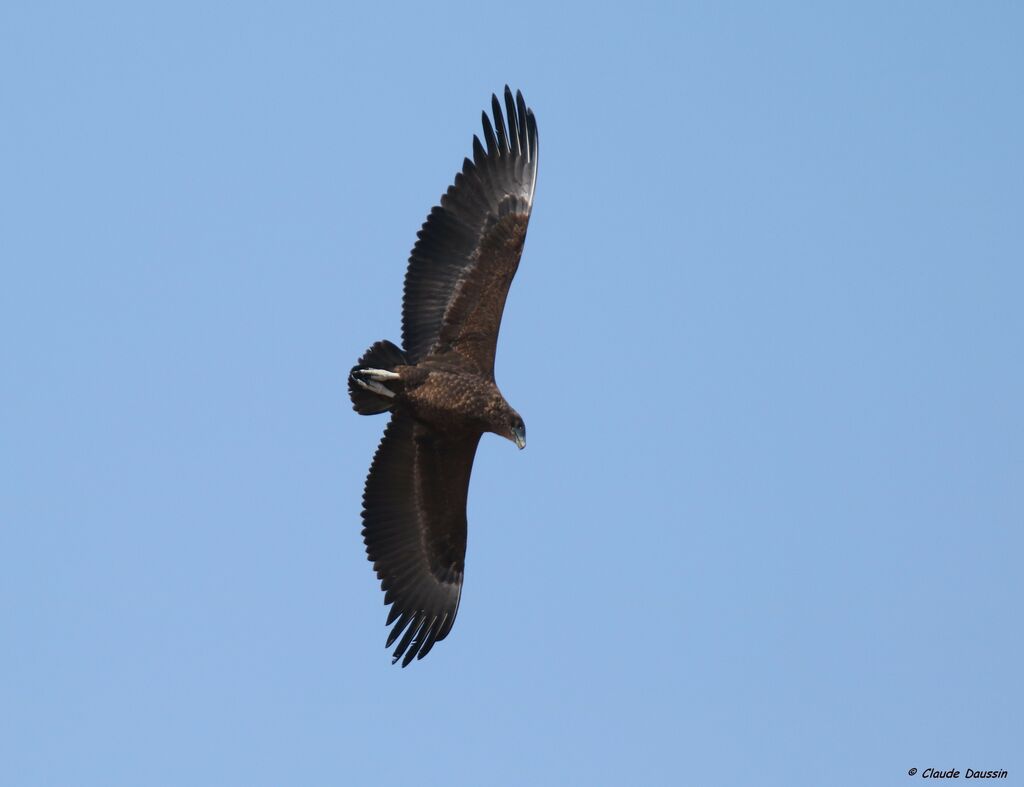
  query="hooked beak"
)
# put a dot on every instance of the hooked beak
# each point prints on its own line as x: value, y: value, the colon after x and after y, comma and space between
x: 520, y: 437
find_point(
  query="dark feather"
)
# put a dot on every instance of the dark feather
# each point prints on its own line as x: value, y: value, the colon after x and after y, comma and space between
x: 513, y: 130
x: 468, y: 250
x: 499, y: 124
x: 492, y: 144
x: 414, y: 527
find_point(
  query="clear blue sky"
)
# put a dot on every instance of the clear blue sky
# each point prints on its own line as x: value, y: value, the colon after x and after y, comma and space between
x: 767, y: 337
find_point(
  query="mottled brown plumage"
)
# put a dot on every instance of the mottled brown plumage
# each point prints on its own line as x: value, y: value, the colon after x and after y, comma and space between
x: 440, y: 389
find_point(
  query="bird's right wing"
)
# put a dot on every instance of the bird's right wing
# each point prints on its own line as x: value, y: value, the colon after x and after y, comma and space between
x: 414, y: 527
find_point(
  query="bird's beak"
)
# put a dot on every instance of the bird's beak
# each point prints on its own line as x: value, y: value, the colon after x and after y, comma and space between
x: 520, y: 437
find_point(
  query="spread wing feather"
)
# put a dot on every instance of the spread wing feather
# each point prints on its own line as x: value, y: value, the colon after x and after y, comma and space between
x: 414, y: 527
x: 469, y: 247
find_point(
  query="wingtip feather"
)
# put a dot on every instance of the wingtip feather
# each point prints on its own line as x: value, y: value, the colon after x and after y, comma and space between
x: 499, y: 125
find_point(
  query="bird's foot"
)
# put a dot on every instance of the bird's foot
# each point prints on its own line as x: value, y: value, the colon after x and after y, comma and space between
x: 380, y: 375
x: 375, y: 387
x: 371, y: 384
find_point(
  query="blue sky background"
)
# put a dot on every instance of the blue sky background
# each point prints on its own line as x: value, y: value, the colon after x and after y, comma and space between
x: 767, y: 337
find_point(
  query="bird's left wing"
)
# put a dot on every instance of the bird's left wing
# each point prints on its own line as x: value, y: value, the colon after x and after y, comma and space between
x: 468, y: 250
x: 414, y: 527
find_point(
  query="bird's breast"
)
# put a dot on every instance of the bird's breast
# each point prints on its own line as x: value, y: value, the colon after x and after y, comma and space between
x: 452, y: 401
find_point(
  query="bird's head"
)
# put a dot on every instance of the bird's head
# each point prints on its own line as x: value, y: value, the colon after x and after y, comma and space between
x: 516, y: 430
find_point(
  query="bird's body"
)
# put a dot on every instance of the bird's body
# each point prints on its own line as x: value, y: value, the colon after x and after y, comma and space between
x: 440, y: 388
x: 442, y: 393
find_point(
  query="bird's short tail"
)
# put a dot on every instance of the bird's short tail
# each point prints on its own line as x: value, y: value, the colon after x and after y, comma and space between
x: 372, y: 382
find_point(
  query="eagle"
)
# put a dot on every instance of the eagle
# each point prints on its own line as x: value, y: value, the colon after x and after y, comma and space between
x: 439, y: 386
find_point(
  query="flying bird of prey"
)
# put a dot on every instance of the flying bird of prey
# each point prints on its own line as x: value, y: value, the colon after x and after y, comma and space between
x: 440, y: 388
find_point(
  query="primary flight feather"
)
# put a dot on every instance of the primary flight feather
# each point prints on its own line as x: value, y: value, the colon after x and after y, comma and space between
x: 439, y: 388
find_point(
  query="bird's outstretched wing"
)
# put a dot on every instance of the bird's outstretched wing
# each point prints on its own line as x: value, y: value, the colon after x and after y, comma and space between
x: 469, y: 247
x: 414, y: 526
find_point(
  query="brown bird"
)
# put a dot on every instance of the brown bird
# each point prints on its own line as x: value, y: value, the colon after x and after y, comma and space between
x: 440, y: 389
